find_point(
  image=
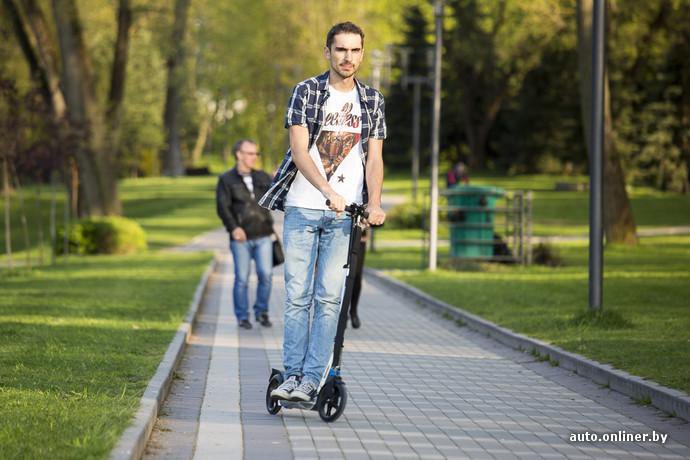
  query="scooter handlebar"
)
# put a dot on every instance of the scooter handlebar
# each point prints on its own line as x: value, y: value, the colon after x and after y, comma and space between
x: 353, y: 209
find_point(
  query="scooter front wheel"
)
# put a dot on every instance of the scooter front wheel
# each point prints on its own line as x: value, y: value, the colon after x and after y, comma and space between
x: 332, y: 404
x: 272, y: 404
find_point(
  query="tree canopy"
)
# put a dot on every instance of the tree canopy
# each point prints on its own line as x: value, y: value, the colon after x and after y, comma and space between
x: 510, y: 84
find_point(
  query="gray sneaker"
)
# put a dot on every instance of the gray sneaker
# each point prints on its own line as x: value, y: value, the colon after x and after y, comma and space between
x: 306, y: 391
x: 285, y: 388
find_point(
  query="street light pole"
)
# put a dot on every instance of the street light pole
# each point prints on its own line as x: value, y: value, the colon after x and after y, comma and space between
x: 596, y: 240
x: 417, y: 81
x: 436, y: 129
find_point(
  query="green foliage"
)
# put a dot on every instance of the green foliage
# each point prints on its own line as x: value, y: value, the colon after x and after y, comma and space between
x: 650, y: 80
x: 400, y: 100
x: 406, y: 215
x: 409, y: 215
x: 142, y: 124
x: 649, y: 144
x: 490, y: 48
x: 103, y: 235
x: 510, y: 80
x: 546, y: 254
x: 540, y: 130
x: 248, y: 66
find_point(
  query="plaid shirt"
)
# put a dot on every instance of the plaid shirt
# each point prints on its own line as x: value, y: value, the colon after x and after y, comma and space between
x: 305, y: 108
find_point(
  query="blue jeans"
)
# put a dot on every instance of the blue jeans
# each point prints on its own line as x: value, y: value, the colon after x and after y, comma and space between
x: 316, y: 244
x: 261, y: 250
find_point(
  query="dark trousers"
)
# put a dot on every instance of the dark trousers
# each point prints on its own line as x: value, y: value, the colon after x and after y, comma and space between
x: 357, y: 288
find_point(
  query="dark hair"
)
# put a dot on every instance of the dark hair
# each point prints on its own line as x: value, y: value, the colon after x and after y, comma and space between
x: 238, y: 145
x: 343, y: 28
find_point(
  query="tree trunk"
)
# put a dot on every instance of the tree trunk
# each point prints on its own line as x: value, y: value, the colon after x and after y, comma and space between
x: 71, y: 96
x: 477, y: 133
x: 204, y: 131
x: 619, y: 223
x: 39, y: 223
x: 6, y: 195
x: 75, y: 197
x: 34, y: 37
x: 227, y: 154
x: 172, y: 154
x: 477, y: 143
x: 118, y: 74
x: 85, y: 121
x: 22, y: 214
x: 113, y: 115
x: 53, y: 215
x: 476, y: 146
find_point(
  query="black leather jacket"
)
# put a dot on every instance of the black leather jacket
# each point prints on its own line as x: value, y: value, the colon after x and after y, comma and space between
x: 236, y: 207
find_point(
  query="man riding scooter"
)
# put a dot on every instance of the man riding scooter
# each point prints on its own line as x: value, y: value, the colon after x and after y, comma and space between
x: 336, y: 127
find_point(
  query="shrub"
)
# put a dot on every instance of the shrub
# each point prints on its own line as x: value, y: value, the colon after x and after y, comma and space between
x: 411, y: 215
x: 544, y: 254
x: 405, y: 215
x: 103, y: 235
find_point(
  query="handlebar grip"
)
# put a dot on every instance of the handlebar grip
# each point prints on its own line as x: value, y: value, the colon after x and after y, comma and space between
x: 351, y: 209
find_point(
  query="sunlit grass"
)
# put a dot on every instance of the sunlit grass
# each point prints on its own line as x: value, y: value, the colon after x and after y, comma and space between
x: 554, y: 213
x: 80, y: 341
x: 646, y: 286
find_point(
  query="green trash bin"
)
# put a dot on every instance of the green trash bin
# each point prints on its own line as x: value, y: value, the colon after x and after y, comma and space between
x: 471, y: 218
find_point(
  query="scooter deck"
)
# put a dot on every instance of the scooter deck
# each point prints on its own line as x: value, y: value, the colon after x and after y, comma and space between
x: 304, y: 405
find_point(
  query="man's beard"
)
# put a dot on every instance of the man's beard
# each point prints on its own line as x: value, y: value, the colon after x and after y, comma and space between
x: 343, y: 74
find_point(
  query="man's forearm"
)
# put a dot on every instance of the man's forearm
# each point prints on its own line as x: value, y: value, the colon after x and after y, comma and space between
x: 299, y: 145
x: 306, y: 166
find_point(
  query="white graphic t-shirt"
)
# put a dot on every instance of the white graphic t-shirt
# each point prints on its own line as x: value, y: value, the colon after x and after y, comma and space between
x: 336, y: 153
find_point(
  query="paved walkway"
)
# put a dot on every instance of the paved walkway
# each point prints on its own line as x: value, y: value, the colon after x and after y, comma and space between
x: 418, y: 385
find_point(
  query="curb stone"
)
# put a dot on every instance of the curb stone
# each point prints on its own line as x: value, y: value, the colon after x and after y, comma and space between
x: 133, y: 441
x: 667, y: 399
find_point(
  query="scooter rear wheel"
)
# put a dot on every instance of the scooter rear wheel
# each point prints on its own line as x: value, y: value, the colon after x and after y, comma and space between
x: 332, y: 405
x: 273, y: 405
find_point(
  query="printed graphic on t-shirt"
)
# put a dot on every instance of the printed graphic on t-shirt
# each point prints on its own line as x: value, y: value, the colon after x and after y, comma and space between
x: 336, y: 153
x: 335, y: 145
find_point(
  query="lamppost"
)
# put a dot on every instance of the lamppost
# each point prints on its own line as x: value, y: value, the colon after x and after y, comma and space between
x: 416, y: 81
x: 596, y: 239
x: 435, y: 135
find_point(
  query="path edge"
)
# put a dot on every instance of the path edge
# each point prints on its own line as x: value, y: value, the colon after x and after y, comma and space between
x: 671, y: 401
x: 133, y: 440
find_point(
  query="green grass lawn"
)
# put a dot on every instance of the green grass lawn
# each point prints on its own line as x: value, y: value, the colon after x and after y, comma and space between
x: 171, y: 211
x: 80, y: 342
x: 647, y: 288
x: 555, y: 213
x: 81, y: 339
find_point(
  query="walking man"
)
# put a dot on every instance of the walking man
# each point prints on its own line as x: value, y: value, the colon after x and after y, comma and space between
x: 250, y: 227
x: 336, y: 126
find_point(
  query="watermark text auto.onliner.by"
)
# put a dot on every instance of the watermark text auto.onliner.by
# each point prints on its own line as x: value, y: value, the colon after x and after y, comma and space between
x: 618, y: 436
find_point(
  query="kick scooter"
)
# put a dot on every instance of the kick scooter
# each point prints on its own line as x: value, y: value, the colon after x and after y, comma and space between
x: 332, y: 395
